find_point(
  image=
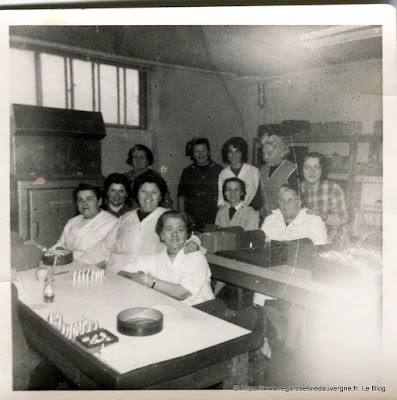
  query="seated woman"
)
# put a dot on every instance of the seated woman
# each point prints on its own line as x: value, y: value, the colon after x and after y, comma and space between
x: 291, y: 221
x: 87, y: 229
x: 118, y: 193
x: 236, y: 213
x: 235, y: 153
x: 185, y: 277
x: 134, y: 234
x: 325, y: 198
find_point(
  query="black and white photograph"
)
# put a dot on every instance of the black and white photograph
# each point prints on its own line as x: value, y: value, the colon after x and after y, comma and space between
x: 197, y: 201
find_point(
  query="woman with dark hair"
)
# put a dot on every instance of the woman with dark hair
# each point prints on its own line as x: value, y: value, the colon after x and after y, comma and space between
x: 235, y: 153
x: 198, y: 186
x: 134, y: 235
x: 140, y: 158
x: 118, y: 195
x: 324, y: 198
x: 235, y: 213
x: 85, y: 230
x: 185, y: 277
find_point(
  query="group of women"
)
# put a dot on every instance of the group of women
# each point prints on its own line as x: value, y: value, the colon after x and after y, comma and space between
x: 148, y: 235
x: 252, y: 193
x: 138, y: 223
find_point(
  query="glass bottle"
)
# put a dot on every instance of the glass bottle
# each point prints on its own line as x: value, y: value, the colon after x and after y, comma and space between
x: 49, y: 290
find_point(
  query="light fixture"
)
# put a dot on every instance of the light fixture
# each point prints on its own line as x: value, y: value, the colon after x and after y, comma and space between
x: 338, y: 35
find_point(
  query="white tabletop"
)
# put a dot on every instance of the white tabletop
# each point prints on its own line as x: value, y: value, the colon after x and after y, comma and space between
x: 186, y: 329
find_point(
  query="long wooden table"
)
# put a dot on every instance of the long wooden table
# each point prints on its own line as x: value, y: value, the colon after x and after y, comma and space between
x: 282, y: 282
x: 194, y: 350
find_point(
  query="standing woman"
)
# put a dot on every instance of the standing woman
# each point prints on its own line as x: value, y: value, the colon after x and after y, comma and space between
x: 235, y: 153
x: 276, y: 171
x: 198, y: 186
x: 325, y: 198
x: 141, y: 158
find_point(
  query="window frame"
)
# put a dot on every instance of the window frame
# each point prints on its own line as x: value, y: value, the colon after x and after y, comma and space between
x: 68, y: 56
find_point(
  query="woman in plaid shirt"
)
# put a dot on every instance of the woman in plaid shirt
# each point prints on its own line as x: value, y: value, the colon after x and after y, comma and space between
x: 325, y: 198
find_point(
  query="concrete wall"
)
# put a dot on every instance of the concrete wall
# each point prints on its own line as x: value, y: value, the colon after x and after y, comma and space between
x: 350, y: 92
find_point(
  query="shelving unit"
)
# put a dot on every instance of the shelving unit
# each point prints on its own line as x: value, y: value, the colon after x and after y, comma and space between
x: 351, y: 174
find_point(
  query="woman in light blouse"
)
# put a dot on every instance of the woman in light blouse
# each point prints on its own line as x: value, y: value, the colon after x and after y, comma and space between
x: 235, y: 153
x: 134, y: 234
x: 185, y: 277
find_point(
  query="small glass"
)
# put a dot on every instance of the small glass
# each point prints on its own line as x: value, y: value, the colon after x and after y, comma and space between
x: 49, y: 290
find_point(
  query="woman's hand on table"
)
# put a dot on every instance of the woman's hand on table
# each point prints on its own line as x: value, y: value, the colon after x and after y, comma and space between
x: 173, y: 290
x: 141, y: 277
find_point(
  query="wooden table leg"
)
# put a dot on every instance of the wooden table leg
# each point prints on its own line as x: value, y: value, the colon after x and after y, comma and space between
x: 238, y: 372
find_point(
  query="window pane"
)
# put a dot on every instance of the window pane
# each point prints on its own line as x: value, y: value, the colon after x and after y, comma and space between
x: 122, y: 97
x: 22, y: 82
x: 82, y: 84
x: 108, y: 82
x: 53, y: 80
x: 96, y: 87
x: 132, y: 80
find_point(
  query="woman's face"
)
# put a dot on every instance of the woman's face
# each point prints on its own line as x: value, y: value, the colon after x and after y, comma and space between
x: 174, y: 234
x: 149, y: 197
x: 139, y: 159
x: 88, y: 204
x: 201, y: 154
x: 117, y: 194
x: 312, y: 170
x: 272, y: 155
x: 233, y: 193
x: 234, y: 155
x: 289, y: 203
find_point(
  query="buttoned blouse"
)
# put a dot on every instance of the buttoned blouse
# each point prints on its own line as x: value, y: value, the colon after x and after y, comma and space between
x: 305, y: 225
x: 188, y: 270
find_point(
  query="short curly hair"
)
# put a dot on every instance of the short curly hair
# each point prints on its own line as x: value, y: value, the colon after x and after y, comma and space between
x: 146, y: 150
x: 150, y: 177
x: 293, y: 188
x: 240, y: 144
x: 175, y: 214
x: 85, y: 186
x: 119, y: 179
x: 277, y: 142
x: 196, y: 142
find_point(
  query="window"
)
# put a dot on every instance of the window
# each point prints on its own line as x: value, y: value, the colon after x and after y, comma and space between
x: 53, y: 80
x: 82, y: 85
x: 22, y: 82
x: 62, y: 81
x: 108, y: 93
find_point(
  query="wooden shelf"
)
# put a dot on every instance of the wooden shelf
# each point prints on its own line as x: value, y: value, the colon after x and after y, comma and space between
x: 308, y: 138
